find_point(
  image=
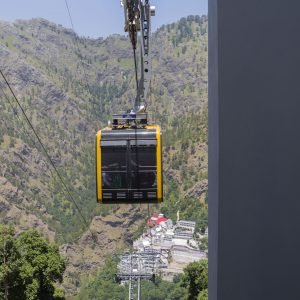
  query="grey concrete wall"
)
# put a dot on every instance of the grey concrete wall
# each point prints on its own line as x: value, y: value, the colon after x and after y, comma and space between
x: 254, y: 149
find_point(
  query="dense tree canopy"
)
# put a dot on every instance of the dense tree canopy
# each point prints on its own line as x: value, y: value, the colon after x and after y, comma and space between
x: 203, y: 295
x: 29, y: 266
x: 195, y: 279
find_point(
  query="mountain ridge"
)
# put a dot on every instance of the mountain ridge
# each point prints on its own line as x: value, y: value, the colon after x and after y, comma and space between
x: 69, y: 86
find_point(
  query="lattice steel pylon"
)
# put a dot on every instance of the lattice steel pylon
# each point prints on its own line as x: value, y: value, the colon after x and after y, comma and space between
x: 137, y: 266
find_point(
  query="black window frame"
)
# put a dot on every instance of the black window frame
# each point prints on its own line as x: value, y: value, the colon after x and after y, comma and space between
x: 133, y: 171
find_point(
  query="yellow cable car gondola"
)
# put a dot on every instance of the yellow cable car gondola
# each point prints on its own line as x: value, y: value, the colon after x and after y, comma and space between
x: 128, y: 154
x: 129, y: 165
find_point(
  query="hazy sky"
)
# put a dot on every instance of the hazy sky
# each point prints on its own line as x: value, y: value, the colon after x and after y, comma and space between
x: 96, y: 18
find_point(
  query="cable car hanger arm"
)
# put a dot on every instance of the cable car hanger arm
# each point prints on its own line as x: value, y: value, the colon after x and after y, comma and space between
x: 138, y: 18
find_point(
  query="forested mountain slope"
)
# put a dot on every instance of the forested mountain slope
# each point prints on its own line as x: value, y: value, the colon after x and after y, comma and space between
x: 69, y: 86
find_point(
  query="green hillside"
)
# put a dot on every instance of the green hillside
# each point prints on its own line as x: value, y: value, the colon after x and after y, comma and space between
x: 69, y: 86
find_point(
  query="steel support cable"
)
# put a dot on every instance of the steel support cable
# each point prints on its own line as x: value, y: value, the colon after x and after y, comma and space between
x: 15, y: 113
x: 81, y: 60
x: 35, y: 145
x: 82, y: 63
x: 136, y: 71
x: 66, y: 2
x: 22, y: 125
x: 149, y: 217
x: 21, y: 122
x: 28, y: 135
x: 47, y: 154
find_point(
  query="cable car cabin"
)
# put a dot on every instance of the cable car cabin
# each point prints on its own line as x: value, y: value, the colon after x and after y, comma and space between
x: 129, y: 165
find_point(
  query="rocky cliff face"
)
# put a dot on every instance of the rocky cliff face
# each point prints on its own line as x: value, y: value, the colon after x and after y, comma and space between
x: 108, y: 235
x: 68, y: 86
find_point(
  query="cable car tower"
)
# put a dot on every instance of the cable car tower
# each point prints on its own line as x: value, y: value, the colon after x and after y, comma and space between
x: 128, y: 153
x: 137, y: 266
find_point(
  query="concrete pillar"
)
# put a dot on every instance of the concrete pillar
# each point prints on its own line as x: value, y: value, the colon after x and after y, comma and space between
x: 254, y: 149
